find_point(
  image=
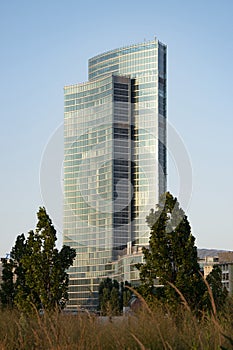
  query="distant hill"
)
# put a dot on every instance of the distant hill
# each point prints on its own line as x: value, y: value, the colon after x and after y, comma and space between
x: 209, y: 252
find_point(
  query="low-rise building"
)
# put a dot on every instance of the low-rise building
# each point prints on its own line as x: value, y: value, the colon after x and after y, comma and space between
x: 226, y: 265
x: 225, y: 261
x: 207, y: 263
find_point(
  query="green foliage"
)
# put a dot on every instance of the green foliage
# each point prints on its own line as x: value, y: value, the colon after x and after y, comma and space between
x: 36, y: 273
x: 219, y: 293
x: 113, y: 296
x: 7, y: 291
x: 125, y: 293
x: 171, y: 257
x: 109, y: 297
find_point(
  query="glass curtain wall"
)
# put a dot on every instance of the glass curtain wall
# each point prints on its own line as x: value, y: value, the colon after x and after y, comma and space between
x: 114, y: 164
x: 88, y: 179
x: 145, y: 63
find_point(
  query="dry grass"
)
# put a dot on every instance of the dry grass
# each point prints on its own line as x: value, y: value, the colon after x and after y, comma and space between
x: 157, y: 329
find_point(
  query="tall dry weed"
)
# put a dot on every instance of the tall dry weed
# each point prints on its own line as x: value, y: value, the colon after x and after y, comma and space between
x: 148, y: 328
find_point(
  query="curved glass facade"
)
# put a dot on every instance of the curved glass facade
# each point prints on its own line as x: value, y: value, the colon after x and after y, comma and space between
x: 115, y: 162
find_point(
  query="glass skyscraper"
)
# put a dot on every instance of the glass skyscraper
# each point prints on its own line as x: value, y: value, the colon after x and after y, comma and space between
x: 114, y: 164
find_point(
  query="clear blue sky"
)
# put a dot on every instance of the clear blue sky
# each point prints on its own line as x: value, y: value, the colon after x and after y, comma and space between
x: 46, y: 44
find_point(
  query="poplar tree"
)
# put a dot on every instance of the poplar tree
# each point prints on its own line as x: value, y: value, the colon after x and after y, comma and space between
x: 171, y: 257
x: 38, y: 269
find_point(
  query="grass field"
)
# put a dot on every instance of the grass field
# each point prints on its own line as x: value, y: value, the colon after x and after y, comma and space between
x: 157, y: 329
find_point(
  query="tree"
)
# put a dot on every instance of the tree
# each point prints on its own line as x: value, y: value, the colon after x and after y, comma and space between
x: 171, y: 257
x: 218, y: 291
x: 12, y: 267
x: 113, y: 296
x: 38, y: 268
x: 109, y: 297
x: 125, y: 294
x: 7, y: 291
